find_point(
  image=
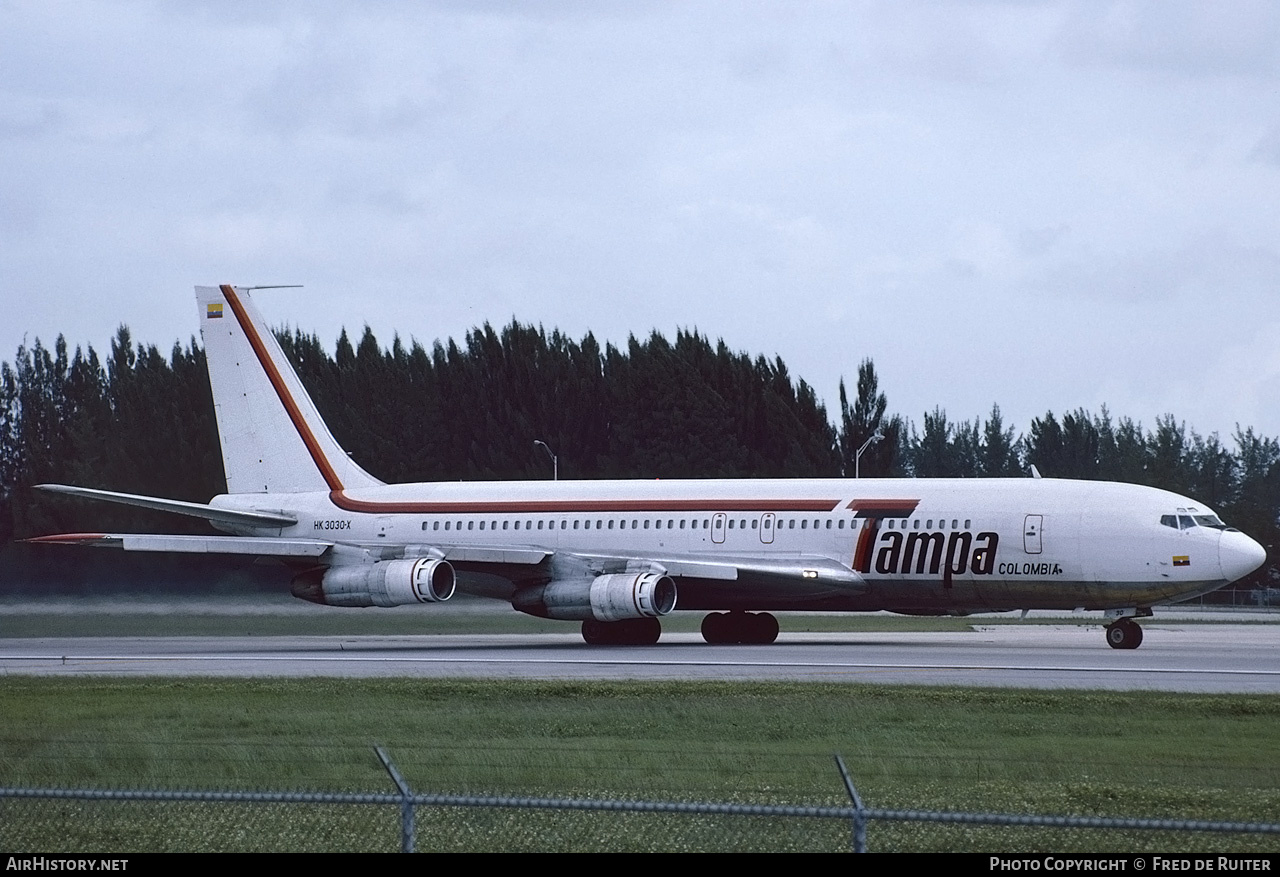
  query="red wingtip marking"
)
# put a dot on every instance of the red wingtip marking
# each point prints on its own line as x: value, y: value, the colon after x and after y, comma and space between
x: 68, y: 537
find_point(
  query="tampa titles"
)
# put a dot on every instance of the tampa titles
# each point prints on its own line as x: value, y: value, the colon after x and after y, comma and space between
x: 897, y: 552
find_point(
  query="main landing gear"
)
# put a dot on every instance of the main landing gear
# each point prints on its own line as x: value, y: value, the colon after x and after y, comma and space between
x: 630, y: 632
x: 757, y: 628
x: 1124, y: 634
x: 748, y: 628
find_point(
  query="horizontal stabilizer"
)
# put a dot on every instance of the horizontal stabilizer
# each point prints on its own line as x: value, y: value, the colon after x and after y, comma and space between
x: 265, y: 547
x: 178, y: 507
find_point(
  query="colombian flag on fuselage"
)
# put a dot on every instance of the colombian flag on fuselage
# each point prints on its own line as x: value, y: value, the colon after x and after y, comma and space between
x: 214, y: 312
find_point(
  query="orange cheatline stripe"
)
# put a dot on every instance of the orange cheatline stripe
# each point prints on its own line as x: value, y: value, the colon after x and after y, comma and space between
x: 903, y: 506
x: 342, y: 501
x: 282, y: 391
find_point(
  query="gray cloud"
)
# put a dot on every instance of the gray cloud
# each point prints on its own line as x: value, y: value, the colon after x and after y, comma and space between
x: 1042, y: 204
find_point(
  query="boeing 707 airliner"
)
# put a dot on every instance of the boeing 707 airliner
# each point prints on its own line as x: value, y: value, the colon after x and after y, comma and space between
x: 618, y: 556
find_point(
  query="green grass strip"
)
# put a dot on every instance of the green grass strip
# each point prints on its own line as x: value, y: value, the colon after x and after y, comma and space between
x: 1095, y: 753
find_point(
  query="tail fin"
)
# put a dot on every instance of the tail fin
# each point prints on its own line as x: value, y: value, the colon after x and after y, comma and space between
x: 273, y: 439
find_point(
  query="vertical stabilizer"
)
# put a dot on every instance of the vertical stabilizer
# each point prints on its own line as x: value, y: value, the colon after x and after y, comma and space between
x: 273, y: 440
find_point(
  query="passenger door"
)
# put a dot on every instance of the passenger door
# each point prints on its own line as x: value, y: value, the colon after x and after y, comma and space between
x: 766, y: 528
x: 1032, y: 539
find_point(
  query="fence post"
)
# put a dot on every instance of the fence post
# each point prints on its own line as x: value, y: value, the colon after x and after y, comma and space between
x: 406, y: 801
x: 859, y: 814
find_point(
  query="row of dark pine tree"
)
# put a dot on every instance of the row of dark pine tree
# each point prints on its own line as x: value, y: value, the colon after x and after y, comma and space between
x: 142, y: 422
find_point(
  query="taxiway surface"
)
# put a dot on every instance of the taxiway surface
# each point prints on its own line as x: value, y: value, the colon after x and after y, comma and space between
x: 1239, y: 658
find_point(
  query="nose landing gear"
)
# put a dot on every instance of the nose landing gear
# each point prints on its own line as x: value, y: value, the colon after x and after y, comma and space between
x: 1122, y: 631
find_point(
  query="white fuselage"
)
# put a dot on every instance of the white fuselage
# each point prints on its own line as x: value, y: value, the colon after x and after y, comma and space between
x: 618, y: 555
x: 913, y: 545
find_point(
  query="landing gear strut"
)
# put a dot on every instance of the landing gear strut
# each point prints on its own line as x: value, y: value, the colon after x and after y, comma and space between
x: 756, y: 628
x: 1124, y: 634
x: 631, y: 632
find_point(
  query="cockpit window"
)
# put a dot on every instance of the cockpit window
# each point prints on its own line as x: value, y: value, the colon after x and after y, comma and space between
x: 1186, y: 522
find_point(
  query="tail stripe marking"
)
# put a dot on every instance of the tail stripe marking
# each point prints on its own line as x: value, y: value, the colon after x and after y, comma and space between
x: 282, y: 391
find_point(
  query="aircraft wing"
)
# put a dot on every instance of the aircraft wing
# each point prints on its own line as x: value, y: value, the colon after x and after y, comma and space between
x: 266, y: 547
x: 811, y: 573
x: 699, y: 578
x: 822, y: 572
x: 482, y: 554
x: 270, y: 546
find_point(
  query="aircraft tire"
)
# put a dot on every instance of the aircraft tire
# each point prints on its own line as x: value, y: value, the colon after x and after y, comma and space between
x: 764, y: 626
x: 596, y: 633
x: 644, y: 631
x: 740, y: 628
x: 1124, y: 634
x: 715, y: 628
x: 630, y: 632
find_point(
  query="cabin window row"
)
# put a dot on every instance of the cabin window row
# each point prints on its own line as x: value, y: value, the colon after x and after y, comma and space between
x: 672, y: 524
x: 633, y: 524
x: 927, y: 523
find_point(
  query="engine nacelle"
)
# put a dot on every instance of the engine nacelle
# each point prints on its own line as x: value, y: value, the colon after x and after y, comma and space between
x: 385, y: 583
x: 612, y: 597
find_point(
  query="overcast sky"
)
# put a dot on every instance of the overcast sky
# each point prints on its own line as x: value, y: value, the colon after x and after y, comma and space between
x: 1045, y: 205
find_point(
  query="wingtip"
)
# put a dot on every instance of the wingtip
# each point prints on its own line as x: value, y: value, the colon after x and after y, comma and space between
x: 67, y: 538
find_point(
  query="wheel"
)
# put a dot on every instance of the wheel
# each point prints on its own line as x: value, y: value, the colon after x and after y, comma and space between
x: 764, y: 628
x: 1124, y: 634
x: 753, y: 628
x: 714, y: 628
x: 643, y: 631
x: 741, y: 627
x: 596, y: 633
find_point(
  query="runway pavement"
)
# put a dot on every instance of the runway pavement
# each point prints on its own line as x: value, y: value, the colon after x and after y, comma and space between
x: 1220, y: 657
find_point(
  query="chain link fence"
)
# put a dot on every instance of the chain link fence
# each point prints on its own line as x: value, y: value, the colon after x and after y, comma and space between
x: 49, y: 820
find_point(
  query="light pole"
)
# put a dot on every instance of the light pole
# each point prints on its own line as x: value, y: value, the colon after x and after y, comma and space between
x: 555, y: 461
x: 857, y: 458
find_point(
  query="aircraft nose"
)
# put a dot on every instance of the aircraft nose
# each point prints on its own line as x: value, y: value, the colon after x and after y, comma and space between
x: 1238, y: 555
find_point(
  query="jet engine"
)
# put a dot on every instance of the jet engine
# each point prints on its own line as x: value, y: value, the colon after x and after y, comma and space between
x: 385, y: 583
x: 614, y: 597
